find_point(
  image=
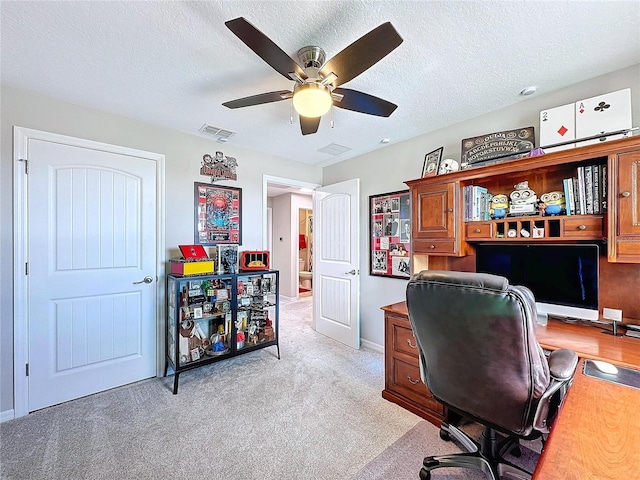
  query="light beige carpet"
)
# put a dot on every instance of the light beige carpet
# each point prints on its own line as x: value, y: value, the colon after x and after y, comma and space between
x: 403, y: 459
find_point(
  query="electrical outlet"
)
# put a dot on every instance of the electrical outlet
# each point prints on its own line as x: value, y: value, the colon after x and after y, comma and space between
x: 612, y: 314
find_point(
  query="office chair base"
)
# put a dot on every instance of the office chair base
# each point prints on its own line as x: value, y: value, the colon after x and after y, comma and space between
x: 487, y: 457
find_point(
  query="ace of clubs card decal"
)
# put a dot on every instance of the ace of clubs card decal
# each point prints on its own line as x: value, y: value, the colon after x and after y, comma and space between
x: 604, y: 113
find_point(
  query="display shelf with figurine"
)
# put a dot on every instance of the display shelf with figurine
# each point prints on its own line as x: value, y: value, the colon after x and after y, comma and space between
x: 214, y: 317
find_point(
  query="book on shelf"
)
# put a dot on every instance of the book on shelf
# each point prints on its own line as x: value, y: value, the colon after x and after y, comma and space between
x: 476, y: 203
x: 568, y: 195
x: 597, y: 201
x: 588, y: 189
x: 582, y: 195
x: 603, y: 188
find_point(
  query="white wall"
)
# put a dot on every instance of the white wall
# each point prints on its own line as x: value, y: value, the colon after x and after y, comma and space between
x: 183, y: 154
x: 386, y: 170
x: 381, y: 171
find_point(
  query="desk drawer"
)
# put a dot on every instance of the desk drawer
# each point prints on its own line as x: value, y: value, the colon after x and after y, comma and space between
x: 406, y: 381
x: 404, y: 341
x: 434, y: 247
x: 582, y: 226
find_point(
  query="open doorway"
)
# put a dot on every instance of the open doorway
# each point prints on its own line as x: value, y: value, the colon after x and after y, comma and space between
x: 287, y: 202
x: 305, y: 252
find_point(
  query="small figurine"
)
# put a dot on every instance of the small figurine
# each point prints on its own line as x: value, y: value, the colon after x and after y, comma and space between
x: 498, y: 206
x: 523, y: 200
x: 554, y: 203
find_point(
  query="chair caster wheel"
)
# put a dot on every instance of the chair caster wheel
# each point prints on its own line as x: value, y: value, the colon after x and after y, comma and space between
x: 444, y: 435
x: 425, y: 475
x: 516, y: 452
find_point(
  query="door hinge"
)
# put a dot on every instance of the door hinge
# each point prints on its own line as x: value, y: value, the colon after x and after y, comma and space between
x: 26, y: 165
x: 27, y: 369
x: 26, y: 268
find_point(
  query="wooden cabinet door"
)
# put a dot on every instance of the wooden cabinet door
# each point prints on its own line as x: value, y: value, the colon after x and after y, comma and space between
x: 628, y: 194
x: 436, y: 227
x: 624, y: 208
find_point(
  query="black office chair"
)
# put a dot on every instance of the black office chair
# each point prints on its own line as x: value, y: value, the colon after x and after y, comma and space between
x: 479, y: 356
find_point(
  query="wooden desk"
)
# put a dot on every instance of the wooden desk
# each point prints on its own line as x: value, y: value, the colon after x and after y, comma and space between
x: 596, y: 435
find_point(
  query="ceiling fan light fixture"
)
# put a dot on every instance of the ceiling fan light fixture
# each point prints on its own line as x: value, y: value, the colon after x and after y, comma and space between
x: 311, y: 100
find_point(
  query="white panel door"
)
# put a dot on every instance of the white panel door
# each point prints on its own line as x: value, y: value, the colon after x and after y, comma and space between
x: 336, y: 278
x: 91, y: 237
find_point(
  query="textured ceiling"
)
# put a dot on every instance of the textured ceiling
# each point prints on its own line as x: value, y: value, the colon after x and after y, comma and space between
x: 174, y: 63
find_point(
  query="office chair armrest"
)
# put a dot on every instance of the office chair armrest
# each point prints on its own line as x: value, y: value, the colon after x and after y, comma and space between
x: 562, y: 364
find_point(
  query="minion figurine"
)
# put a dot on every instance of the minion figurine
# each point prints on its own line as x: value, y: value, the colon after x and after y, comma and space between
x: 498, y: 206
x: 554, y: 202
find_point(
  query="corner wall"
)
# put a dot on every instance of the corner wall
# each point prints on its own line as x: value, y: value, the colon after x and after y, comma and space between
x: 183, y: 154
x: 385, y: 170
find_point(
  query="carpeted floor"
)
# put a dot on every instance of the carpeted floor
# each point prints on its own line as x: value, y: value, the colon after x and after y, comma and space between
x: 403, y: 459
x: 315, y: 414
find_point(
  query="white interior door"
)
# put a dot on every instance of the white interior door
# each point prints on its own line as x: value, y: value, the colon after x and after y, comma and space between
x: 91, y: 243
x: 336, y: 275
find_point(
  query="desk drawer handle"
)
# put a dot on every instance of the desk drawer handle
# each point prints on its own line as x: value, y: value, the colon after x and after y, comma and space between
x: 414, y: 382
x: 412, y: 346
x: 432, y: 246
x: 477, y: 230
x: 626, y: 194
x: 582, y: 227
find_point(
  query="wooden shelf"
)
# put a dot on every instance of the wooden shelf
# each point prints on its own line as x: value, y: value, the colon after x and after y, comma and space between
x: 537, y: 228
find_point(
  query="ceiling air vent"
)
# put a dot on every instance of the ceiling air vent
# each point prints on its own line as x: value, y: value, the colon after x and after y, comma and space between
x: 221, y: 134
x: 334, y: 149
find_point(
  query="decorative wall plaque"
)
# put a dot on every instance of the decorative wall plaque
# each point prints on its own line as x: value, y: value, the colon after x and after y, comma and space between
x: 497, y: 145
x: 219, y: 167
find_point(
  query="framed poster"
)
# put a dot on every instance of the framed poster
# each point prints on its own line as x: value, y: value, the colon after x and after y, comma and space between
x: 432, y: 163
x: 218, y: 214
x: 390, y: 234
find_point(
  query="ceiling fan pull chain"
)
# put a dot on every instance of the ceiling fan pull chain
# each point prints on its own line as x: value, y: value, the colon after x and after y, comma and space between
x: 291, y: 112
x: 333, y: 123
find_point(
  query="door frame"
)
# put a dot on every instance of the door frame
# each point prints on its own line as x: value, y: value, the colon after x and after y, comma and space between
x: 21, y: 137
x: 266, y: 179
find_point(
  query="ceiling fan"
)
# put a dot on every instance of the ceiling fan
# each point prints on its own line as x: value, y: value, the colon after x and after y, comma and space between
x: 316, y: 81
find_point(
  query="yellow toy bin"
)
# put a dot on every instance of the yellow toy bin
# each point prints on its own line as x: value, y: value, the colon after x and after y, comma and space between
x: 184, y: 267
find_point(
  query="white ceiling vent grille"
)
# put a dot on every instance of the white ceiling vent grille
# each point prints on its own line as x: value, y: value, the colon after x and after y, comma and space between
x: 334, y: 149
x: 220, y: 133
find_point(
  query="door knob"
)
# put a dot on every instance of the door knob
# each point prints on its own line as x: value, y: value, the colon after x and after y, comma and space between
x: 146, y: 279
x: 626, y: 194
x: 350, y: 272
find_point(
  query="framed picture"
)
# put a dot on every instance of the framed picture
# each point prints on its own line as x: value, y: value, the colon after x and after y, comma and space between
x: 431, y: 163
x: 390, y: 234
x: 218, y: 214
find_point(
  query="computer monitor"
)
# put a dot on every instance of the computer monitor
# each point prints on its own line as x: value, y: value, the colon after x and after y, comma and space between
x: 563, y: 278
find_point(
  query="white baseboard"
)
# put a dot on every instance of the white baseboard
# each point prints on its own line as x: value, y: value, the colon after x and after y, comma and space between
x: 371, y: 346
x: 6, y: 416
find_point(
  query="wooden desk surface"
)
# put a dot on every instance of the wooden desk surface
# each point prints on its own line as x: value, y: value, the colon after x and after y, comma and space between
x: 596, y: 436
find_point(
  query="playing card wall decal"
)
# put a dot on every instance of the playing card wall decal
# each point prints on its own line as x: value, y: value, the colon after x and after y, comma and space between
x: 586, y: 118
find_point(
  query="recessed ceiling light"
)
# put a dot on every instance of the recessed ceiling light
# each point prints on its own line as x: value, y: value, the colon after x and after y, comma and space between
x: 528, y: 91
x: 385, y: 140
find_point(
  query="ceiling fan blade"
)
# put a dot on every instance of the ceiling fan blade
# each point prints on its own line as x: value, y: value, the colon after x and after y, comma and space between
x: 362, y: 54
x: 309, y: 125
x: 258, y: 99
x: 264, y: 47
x: 364, y: 103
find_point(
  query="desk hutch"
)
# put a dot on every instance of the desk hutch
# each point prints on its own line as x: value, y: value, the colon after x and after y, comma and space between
x: 442, y: 240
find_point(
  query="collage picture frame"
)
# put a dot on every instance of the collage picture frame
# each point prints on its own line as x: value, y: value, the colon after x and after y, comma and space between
x: 390, y: 234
